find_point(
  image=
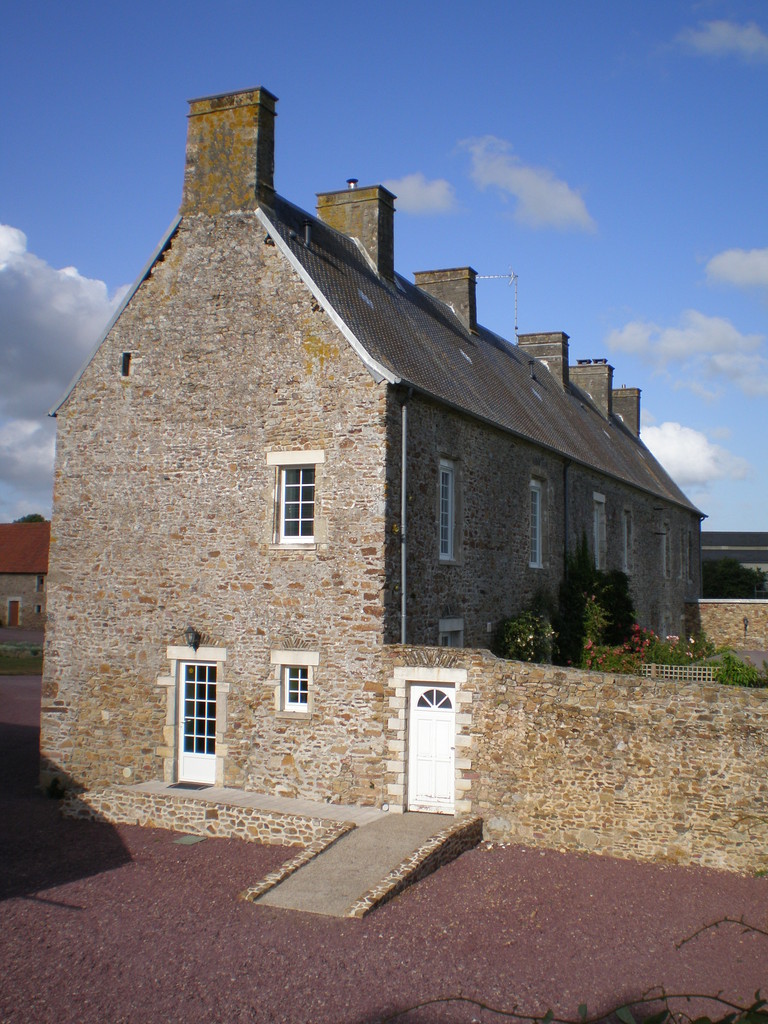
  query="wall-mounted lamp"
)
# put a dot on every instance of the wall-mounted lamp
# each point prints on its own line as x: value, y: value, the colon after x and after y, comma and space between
x: 192, y: 637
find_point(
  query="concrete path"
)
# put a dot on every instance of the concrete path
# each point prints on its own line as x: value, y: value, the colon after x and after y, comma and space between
x: 332, y: 881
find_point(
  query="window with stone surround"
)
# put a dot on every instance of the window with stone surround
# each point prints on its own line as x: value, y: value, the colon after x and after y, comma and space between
x: 294, y: 682
x: 295, y: 492
x: 451, y: 632
x: 535, y: 555
x: 447, y: 510
x: 598, y: 529
x: 626, y: 545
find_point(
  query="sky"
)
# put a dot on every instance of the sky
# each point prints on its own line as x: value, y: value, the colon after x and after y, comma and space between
x: 610, y: 155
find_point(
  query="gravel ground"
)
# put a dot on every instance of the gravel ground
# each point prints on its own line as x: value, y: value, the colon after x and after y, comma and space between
x: 123, y: 925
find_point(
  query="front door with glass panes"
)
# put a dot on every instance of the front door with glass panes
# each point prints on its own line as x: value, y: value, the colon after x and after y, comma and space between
x: 431, y: 747
x: 197, y: 723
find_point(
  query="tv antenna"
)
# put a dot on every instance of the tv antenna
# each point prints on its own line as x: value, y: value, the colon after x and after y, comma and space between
x: 510, y: 278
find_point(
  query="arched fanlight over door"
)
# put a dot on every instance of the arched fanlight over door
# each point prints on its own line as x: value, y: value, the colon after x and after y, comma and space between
x: 435, y: 699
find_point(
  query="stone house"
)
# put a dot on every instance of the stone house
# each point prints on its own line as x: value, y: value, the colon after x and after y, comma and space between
x: 23, y: 572
x: 283, y: 458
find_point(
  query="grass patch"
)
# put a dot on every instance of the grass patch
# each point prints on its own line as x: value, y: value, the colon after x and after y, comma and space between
x: 21, y: 659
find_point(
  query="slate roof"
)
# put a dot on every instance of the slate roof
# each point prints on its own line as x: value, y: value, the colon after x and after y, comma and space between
x: 422, y: 343
x: 24, y: 547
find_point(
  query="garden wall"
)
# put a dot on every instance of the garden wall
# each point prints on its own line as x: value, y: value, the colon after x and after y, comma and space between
x: 722, y: 619
x: 631, y: 767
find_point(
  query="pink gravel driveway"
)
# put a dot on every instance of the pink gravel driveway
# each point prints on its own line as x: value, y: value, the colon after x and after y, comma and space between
x: 103, y: 925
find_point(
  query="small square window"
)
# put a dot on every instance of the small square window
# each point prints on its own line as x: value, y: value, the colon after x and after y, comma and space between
x: 451, y: 632
x: 295, y: 688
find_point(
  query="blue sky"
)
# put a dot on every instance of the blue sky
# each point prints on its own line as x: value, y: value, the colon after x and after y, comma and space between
x: 611, y: 154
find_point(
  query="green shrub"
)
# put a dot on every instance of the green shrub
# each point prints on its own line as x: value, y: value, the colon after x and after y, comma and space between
x: 734, y: 672
x: 525, y: 637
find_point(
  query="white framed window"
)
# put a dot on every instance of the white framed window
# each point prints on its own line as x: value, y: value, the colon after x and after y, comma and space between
x: 451, y: 632
x: 666, y: 552
x: 626, y: 541
x: 598, y: 529
x: 447, y: 509
x: 295, y: 492
x: 297, y: 505
x: 535, y: 559
x: 295, y: 688
x: 294, y: 682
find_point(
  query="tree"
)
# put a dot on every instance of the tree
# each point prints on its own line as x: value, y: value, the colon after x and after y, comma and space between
x: 33, y: 517
x: 726, y: 577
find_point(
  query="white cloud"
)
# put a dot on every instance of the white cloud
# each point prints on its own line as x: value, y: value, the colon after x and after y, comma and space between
x: 49, y: 322
x: 542, y: 199
x: 745, y: 268
x: 726, y: 38
x: 705, y: 351
x: 417, y: 195
x: 690, y: 458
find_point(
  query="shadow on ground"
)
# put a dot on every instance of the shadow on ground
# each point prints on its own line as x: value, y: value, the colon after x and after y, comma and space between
x: 38, y: 848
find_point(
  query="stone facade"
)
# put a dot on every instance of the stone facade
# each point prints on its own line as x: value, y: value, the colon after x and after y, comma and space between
x: 592, y: 762
x: 723, y: 621
x: 230, y: 379
x: 27, y: 591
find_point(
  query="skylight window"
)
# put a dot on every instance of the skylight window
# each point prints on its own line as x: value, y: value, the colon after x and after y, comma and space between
x: 465, y: 355
x: 364, y: 297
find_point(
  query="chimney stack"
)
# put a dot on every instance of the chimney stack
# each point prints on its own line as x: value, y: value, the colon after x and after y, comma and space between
x: 626, y: 404
x: 230, y: 152
x: 595, y: 376
x: 455, y: 287
x: 551, y: 349
x: 367, y: 214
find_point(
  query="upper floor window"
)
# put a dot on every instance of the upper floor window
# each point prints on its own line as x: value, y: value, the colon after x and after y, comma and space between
x: 626, y: 541
x: 598, y: 529
x: 666, y: 552
x: 295, y: 495
x: 40, y: 584
x: 297, y: 504
x: 447, y: 509
x: 535, y: 559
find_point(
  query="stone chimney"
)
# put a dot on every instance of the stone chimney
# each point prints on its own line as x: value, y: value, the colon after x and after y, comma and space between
x: 456, y: 288
x: 230, y: 152
x: 626, y: 404
x: 367, y: 214
x: 595, y: 376
x: 551, y: 349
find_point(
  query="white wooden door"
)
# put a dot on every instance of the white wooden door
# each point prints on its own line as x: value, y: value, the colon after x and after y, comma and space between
x: 431, y: 747
x: 197, y: 723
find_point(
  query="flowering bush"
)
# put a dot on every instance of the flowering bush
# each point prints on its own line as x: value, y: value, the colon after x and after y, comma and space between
x: 644, y: 647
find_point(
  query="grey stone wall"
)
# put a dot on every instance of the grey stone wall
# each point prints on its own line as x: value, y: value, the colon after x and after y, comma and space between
x: 490, y: 577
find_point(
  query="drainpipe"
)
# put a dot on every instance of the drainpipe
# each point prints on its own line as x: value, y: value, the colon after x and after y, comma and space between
x: 404, y: 514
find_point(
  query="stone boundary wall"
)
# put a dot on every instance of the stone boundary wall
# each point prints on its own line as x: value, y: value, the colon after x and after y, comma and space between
x: 127, y: 806
x: 722, y: 619
x: 439, y: 849
x: 648, y: 769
